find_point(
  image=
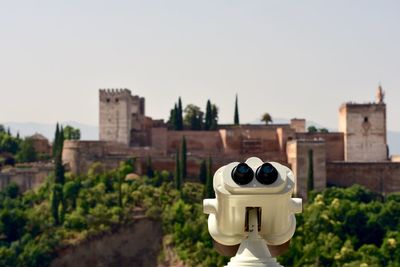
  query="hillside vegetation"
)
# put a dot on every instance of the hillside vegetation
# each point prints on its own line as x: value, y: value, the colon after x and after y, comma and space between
x: 340, y: 227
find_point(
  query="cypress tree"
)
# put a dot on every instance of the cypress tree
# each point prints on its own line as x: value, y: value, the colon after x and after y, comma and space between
x: 214, y: 117
x: 178, y: 180
x: 172, y: 118
x: 55, y: 199
x: 236, y: 118
x: 310, y: 173
x: 176, y: 117
x: 203, y: 172
x: 120, y: 180
x: 180, y: 116
x: 59, y: 178
x: 209, y: 190
x: 54, y: 204
x: 183, y: 158
x: 149, y: 171
x: 208, y: 122
x: 55, y: 142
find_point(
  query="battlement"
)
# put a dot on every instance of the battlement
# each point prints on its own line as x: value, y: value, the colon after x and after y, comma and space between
x: 107, y: 93
x: 361, y: 105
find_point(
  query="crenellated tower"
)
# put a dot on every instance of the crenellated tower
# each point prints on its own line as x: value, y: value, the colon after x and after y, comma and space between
x: 364, y: 128
x: 115, y: 110
x: 122, y: 115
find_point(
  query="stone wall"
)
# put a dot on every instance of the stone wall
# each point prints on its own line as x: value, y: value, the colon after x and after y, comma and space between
x: 264, y: 141
x: 27, y: 177
x: 138, y: 244
x: 334, y: 143
x: 297, y: 153
x: 199, y: 142
x: 381, y: 177
x: 364, y: 127
x: 79, y: 155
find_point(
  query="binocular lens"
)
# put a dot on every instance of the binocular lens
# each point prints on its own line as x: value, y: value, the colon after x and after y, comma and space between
x: 242, y: 174
x: 266, y: 174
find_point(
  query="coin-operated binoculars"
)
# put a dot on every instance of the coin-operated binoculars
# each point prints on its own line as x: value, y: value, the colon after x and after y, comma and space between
x: 254, y: 208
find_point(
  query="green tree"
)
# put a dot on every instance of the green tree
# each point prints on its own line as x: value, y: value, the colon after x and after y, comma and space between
x: 208, y: 118
x: 179, y: 115
x: 312, y: 129
x: 193, y: 117
x: 209, y: 190
x: 149, y: 168
x: 8, y: 144
x: 27, y: 152
x: 12, y: 223
x: 121, y: 178
x: 58, y: 165
x: 324, y: 130
x: 203, y: 172
x: 2, y: 129
x: 8, y: 256
x: 266, y: 117
x: 55, y: 202
x: 12, y: 190
x: 214, y: 117
x: 56, y: 140
x: 172, y: 121
x: 183, y: 158
x: 57, y: 199
x: 310, y: 171
x: 178, y: 178
x: 236, y: 116
x: 124, y: 169
x: 71, y: 192
x: 71, y: 133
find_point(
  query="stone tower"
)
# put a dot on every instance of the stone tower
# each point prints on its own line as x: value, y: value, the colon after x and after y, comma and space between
x: 364, y: 128
x: 118, y: 110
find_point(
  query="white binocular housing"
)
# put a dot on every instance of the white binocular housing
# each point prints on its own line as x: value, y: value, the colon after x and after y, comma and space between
x: 267, y: 186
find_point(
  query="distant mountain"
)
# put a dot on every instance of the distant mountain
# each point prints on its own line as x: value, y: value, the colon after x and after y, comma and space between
x: 88, y: 132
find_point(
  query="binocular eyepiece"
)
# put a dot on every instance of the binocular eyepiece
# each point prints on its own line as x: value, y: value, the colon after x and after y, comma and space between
x: 266, y: 174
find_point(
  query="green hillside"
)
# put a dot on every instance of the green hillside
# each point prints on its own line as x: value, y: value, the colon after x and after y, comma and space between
x: 340, y: 227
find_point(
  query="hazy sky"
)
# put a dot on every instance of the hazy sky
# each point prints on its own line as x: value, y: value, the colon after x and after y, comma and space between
x: 288, y: 58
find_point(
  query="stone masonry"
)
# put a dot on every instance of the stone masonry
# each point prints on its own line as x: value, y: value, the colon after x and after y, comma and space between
x: 364, y: 128
x: 340, y: 158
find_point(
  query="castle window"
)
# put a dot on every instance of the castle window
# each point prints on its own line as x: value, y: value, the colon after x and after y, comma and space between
x: 365, y: 119
x: 108, y: 100
x: 116, y: 100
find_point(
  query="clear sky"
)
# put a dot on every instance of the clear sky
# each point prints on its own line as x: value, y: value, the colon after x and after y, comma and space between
x: 288, y: 58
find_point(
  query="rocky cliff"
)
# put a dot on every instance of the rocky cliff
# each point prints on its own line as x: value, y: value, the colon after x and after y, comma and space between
x: 138, y: 244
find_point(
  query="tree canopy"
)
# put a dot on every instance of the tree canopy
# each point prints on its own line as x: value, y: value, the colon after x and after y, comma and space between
x: 266, y: 117
x: 338, y: 227
x: 71, y: 133
x: 193, y: 117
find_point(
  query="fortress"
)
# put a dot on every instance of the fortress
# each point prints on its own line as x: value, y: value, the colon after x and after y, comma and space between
x: 357, y: 153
